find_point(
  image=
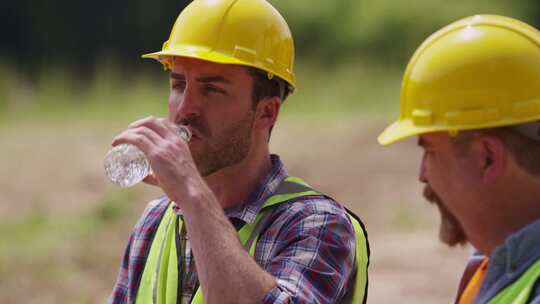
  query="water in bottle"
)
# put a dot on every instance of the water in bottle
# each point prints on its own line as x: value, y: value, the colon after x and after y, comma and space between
x: 126, y: 165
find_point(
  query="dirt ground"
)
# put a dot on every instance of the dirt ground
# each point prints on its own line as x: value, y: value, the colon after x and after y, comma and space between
x: 57, y: 170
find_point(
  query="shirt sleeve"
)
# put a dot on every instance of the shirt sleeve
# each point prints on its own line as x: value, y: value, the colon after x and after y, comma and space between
x: 313, y: 258
x: 119, y: 293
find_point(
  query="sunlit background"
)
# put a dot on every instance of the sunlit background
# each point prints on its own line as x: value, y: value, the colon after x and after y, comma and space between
x: 71, y: 78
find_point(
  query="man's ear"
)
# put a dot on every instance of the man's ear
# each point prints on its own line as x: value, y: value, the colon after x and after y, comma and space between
x: 493, y: 158
x: 266, y: 112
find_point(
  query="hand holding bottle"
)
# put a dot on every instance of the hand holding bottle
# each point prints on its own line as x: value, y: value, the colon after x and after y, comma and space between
x: 125, y: 164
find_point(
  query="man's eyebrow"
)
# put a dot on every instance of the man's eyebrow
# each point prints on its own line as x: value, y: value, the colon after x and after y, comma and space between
x: 203, y: 79
x: 177, y: 76
x: 207, y: 79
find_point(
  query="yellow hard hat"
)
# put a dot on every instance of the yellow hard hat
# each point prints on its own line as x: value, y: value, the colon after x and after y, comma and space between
x: 479, y: 72
x: 244, y: 32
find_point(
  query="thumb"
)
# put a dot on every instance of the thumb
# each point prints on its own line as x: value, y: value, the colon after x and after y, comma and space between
x: 151, y: 179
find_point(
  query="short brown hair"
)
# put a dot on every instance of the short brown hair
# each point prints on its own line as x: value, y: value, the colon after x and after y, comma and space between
x: 264, y: 87
x: 525, y: 151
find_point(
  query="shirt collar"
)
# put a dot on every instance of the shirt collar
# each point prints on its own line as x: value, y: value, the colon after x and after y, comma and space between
x: 248, y: 210
x: 510, y: 259
x: 519, y: 248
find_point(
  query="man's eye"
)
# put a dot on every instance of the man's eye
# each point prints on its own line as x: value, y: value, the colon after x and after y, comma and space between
x: 179, y: 85
x: 212, y: 89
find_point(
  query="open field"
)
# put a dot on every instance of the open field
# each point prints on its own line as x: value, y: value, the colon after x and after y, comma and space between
x: 68, y: 86
x: 63, y: 227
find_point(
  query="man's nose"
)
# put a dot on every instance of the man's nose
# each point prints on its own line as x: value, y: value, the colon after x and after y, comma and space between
x: 187, y: 105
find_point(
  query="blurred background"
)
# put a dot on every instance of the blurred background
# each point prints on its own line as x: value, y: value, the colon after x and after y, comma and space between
x: 71, y: 78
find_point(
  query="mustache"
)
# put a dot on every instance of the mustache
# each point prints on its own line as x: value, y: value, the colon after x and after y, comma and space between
x: 195, y: 123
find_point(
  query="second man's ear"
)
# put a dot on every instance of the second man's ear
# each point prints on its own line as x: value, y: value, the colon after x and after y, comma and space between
x: 266, y: 112
x: 493, y: 154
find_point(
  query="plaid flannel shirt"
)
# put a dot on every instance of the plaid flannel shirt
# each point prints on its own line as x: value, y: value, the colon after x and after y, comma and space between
x: 309, y: 247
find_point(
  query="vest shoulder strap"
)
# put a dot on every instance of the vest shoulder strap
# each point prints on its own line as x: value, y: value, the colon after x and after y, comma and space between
x: 294, y: 187
x: 290, y: 188
x: 520, y: 290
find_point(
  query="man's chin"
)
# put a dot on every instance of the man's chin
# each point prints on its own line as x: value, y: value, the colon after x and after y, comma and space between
x: 207, y: 166
x: 451, y: 232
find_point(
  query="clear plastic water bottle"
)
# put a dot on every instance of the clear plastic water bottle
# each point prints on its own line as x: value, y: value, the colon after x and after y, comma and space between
x: 126, y: 165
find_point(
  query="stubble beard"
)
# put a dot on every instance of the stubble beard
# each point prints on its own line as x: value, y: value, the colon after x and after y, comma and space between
x: 229, y: 148
x: 450, y: 230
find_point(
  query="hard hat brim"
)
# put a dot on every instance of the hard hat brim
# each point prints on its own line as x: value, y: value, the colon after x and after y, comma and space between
x: 209, y: 55
x: 400, y: 130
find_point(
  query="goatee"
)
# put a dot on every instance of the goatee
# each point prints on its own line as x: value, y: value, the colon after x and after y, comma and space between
x: 450, y: 230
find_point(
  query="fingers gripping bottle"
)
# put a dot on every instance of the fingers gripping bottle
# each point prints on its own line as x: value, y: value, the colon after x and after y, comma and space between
x: 126, y: 165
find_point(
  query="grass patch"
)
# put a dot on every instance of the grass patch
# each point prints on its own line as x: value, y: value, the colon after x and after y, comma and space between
x: 64, y: 257
x: 39, y: 234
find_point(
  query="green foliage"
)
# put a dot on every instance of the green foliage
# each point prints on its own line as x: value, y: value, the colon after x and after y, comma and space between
x: 353, y: 88
x: 38, y: 232
x: 350, y: 57
x: 383, y: 31
x: 39, y: 33
x: 57, y: 95
x: 83, y: 33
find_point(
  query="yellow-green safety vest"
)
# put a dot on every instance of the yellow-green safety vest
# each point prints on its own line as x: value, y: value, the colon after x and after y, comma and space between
x: 520, y: 290
x: 159, y: 281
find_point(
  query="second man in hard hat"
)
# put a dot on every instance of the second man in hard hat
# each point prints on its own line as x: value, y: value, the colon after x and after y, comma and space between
x: 471, y: 94
x: 233, y: 227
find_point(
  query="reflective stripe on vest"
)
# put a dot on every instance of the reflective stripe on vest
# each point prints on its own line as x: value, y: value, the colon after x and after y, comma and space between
x: 520, y: 290
x: 159, y: 282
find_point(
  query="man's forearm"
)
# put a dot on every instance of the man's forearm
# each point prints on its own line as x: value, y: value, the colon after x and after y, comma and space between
x: 227, y: 273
